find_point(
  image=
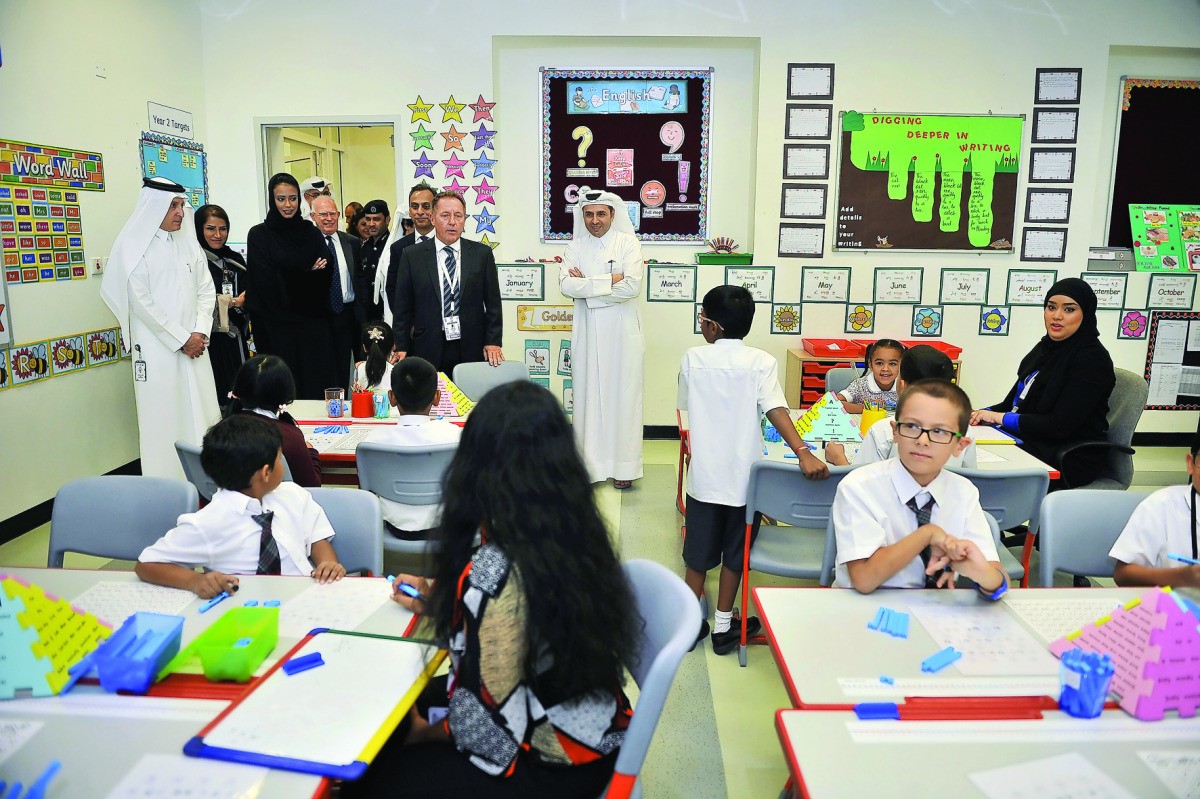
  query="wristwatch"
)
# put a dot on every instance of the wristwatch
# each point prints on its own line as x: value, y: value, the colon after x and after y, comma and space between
x: 999, y: 592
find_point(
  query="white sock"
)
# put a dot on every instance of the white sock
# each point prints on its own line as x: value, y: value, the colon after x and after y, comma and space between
x: 723, y: 621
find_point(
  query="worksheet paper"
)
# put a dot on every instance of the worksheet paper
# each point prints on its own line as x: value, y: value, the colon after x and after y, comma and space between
x: 1055, y: 618
x: 1165, y: 379
x: 987, y: 456
x: 13, y: 735
x: 1170, y: 341
x: 113, y: 602
x: 810, y: 81
x: 1047, y: 205
x: 1055, y: 125
x: 1055, y: 165
x: 172, y: 776
x: 809, y: 123
x: 992, y: 642
x: 1069, y: 776
x: 1179, y: 771
x: 342, y: 605
x: 806, y: 161
x: 800, y: 202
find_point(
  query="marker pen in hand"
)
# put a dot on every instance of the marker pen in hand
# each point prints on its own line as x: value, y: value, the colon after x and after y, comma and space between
x: 405, y: 588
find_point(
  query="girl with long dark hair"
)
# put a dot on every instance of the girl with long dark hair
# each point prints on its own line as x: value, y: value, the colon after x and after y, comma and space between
x: 264, y: 387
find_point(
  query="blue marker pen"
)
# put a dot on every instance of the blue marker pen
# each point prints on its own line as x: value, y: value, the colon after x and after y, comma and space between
x: 212, y: 602
x: 405, y: 588
x: 1182, y: 559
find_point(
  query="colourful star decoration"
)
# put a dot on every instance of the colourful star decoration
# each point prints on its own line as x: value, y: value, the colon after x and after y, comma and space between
x: 456, y: 186
x: 483, y: 110
x: 422, y: 139
x: 485, y: 220
x: 927, y: 322
x: 484, y: 192
x: 452, y: 110
x: 420, y: 110
x: 492, y: 244
x: 860, y: 318
x: 483, y: 166
x: 424, y: 166
x: 483, y: 138
x: 1133, y: 325
x: 454, y: 166
x: 454, y: 139
x: 994, y: 322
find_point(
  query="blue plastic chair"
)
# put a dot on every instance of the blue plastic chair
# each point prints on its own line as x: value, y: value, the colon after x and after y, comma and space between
x: 116, y: 516
x: 357, y: 525
x: 479, y: 377
x: 408, y: 475
x: 1079, y: 527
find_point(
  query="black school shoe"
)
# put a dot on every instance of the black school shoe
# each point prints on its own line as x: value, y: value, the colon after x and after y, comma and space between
x: 703, y: 632
x: 726, y: 642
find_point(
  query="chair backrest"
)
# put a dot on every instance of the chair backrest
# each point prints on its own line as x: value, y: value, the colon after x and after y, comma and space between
x: 1079, y: 527
x: 357, y: 525
x: 408, y: 475
x: 116, y: 516
x: 1011, y: 496
x: 478, y: 377
x: 781, y: 491
x: 672, y: 619
x: 1125, y: 407
x: 839, y: 377
x: 189, y: 458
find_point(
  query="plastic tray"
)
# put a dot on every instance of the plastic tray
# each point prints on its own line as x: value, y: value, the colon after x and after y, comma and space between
x: 133, y: 656
x: 218, y: 647
x: 732, y: 258
x: 822, y: 349
x: 945, y: 346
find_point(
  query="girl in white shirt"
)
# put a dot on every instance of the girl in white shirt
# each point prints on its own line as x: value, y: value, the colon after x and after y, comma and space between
x: 375, y: 373
x: 877, y: 385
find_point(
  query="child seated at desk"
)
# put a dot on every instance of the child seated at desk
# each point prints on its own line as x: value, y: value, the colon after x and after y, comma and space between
x: 918, y: 363
x: 375, y: 373
x: 1163, y: 524
x: 264, y: 387
x: 902, y: 519
x: 255, y: 523
x: 414, y: 391
x: 724, y: 386
x: 877, y: 384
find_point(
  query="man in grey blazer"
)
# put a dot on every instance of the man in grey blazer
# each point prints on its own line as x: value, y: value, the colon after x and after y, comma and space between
x: 344, y: 319
x: 447, y: 297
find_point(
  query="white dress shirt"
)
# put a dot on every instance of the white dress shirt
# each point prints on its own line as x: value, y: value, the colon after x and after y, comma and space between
x: 222, y: 536
x: 1159, y: 526
x: 725, y: 387
x: 413, y: 430
x: 870, y: 512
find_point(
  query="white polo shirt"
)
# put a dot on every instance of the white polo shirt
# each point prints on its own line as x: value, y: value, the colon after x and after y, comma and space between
x: 1160, y: 525
x: 725, y: 387
x: 223, y: 537
x: 879, y: 444
x: 414, y: 430
x: 870, y: 512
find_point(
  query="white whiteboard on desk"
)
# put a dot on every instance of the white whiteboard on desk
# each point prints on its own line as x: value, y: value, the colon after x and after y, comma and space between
x: 328, y: 714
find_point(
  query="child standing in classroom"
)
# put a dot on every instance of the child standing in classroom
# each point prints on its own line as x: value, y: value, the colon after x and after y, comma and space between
x: 255, y: 523
x: 375, y: 373
x: 919, y: 362
x: 725, y: 386
x: 877, y: 385
x: 414, y: 392
x: 1164, y: 524
x: 901, y: 520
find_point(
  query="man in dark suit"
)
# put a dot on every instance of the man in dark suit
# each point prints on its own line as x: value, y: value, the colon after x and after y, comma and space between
x: 344, y: 311
x: 447, y: 299
x: 420, y: 208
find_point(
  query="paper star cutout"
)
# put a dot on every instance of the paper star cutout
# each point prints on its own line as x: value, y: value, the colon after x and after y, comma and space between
x: 483, y: 192
x: 486, y: 221
x: 452, y: 110
x: 424, y: 166
x: 422, y: 137
x: 420, y: 110
x: 482, y: 110
x: 492, y: 244
x: 454, y: 166
x: 483, y: 138
x: 454, y: 139
x: 483, y: 166
x: 456, y: 186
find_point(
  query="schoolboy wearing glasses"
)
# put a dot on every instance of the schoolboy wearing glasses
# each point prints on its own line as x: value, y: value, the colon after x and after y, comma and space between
x: 902, y: 520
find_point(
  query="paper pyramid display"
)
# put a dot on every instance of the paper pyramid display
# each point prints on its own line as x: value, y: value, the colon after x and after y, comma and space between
x: 827, y: 420
x: 41, y: 637
x: 1154, y: 642
x: 451, y: 402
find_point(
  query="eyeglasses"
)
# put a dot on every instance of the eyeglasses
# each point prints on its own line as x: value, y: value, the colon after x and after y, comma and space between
x: 937, y: 435
x: 701, y: 318
x: 325, y: 214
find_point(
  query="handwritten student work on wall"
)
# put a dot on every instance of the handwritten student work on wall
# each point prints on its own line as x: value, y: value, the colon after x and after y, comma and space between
x: 922, y: 182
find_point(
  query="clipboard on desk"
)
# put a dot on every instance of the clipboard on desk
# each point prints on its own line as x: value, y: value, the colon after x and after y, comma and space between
x: 986, y: 434
x: 331, y: 720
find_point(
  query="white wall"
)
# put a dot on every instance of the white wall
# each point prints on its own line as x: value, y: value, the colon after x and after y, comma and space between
x: 83, y: 423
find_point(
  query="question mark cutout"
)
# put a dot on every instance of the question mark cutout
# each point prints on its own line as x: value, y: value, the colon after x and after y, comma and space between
x: 584, y: 136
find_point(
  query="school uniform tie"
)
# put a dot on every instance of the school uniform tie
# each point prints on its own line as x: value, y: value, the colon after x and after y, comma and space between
x: 268, y: 550
x: 924, y: 513
x: 450, y: 295
x: 336, y: 302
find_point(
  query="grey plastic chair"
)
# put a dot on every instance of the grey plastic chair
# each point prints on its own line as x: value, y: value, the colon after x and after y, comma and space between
x: 1079, y: 527
x: 479, y: 377
x: 672, y: 620
x: 116, y: 516
x: 1125, y: 407
x: 837, y: 378
x: 1011, y: 497
x: 189, y: 459
x: 357, y: 525
x: 408, y: 475
x: 781, y: 491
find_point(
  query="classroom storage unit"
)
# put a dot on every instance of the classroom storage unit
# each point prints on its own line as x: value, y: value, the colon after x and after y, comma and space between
x: 804, y: 373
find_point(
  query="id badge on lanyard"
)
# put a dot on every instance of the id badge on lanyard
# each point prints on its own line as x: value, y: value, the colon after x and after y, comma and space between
x: 452, y: 326
x: 139, y: 366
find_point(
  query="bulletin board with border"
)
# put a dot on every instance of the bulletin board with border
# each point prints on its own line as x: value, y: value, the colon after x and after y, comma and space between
x: 1187, y: 373
x: 176, y: 159
x: 641, y: 134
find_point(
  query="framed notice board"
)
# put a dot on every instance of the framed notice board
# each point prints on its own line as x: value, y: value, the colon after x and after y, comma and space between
x: 641, y: 134
x: 1173, y: 361
x: 175, y: 159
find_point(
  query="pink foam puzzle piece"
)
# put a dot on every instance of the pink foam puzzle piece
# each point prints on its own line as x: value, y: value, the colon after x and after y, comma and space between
x: 1176, y: 673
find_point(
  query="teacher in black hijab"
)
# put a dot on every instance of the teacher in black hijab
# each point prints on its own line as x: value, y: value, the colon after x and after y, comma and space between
x: 287, y: 293
x: 1063, y: 386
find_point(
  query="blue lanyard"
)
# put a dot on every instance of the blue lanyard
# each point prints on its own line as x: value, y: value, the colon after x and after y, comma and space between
x: 1023, y: 385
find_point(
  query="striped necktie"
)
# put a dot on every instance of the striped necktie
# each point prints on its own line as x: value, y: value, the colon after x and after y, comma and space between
x: 268, y: 550
x: 449, y: 286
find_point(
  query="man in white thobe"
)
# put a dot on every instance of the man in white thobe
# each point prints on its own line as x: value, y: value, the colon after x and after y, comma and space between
x: 603, y: 272
x: 158, y: 286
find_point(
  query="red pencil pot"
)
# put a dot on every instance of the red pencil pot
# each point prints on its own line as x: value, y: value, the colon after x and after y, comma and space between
x: 362, y: 404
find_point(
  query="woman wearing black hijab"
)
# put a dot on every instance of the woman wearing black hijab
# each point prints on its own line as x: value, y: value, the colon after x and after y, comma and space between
x: 1063, y: 386
x: 227, y: 345
x: 287, y: 292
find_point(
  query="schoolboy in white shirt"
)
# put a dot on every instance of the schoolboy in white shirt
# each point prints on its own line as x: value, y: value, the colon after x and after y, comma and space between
x: 414, y: 391
x: 889, y: 516
x: 919, y: 362
x: 1163, y: 524
x: 724, y: 386
x: 255, y: 523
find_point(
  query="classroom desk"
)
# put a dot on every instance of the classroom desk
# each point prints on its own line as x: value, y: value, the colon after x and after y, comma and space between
x: 100, y: 736
x: 829, y: 659
x: 833, y: 754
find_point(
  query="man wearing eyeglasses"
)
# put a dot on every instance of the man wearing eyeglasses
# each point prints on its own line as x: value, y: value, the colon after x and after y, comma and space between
x: 344, y: 312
